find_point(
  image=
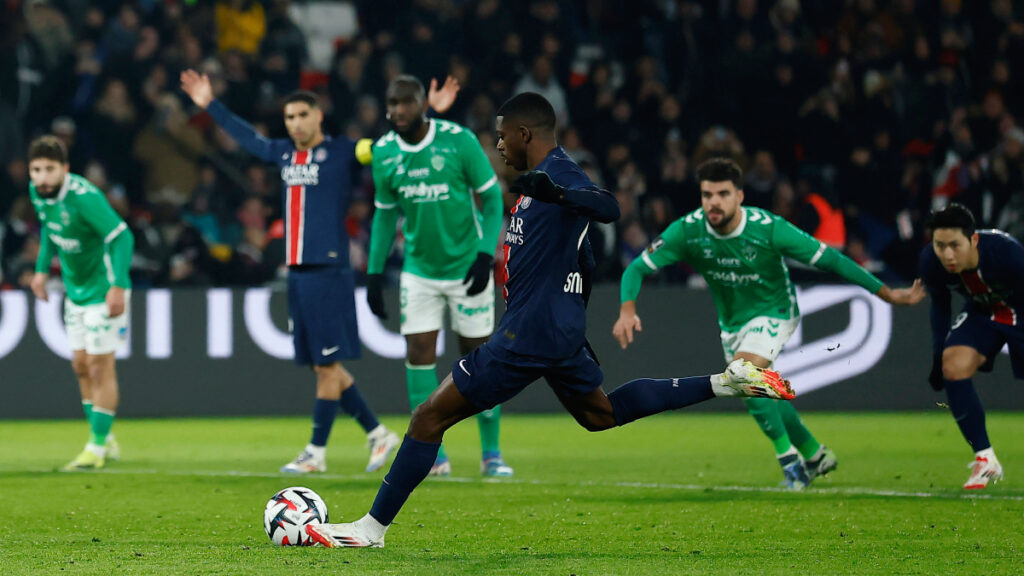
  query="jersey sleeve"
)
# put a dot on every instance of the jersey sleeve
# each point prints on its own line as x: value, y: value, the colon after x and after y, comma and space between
x: 247, y: 137
x: 481, y: 178
x: 385, y: 214
x: 384, y: 195
x: 666, y: 249
x: 46, y: 252
x: 118, y: 241
x: 582, y: 196
x: 796, y: 244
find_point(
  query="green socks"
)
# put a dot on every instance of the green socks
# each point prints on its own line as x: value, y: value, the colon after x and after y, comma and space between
x: 100, y: 422
x: 420, y: 382
x: 799, y: 435
x: 87, y: 408
x: 782, y: 425
x: 490, y: 428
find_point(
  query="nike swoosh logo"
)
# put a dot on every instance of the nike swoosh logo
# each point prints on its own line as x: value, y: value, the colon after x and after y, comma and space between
x: 329, y: 351
x: 462, y: 364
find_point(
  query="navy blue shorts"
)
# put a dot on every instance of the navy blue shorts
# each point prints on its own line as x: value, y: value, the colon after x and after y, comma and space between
x: 490, y: 375
x: 977, y: 330
x: 322, y: 314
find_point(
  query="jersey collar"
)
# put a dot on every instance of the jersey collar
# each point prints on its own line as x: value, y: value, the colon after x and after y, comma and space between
x: 413, y: 148
x: 734, y: 233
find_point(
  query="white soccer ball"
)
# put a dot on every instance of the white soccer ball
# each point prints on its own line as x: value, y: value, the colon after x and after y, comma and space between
x: 289, y: 512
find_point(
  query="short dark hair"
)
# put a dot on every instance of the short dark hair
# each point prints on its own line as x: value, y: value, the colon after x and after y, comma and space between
x: 49, y: 147
x: 302, y: 96
x: 412, y: 81
x: 720, y: 170
x: 532, y: 109
x: 955, y: 215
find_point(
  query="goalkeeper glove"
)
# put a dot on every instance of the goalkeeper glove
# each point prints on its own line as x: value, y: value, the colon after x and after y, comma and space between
x: 479, y: 274
x: 375, y: 295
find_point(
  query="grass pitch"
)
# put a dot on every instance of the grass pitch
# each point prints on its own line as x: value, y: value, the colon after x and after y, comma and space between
x: 675, y: 494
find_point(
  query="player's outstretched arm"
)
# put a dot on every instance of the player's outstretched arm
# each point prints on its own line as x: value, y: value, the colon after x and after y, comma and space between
x: 903, y: 296
x: 200, y: 90
x: 441, y: 99
x: 628, y: 322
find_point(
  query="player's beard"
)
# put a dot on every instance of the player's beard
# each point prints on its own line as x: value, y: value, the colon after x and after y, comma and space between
x: 47, y: 191
x: 413, y: 127
x: 725, y: 221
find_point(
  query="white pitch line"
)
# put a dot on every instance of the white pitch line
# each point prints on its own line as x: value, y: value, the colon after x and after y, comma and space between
x: 847, y: 490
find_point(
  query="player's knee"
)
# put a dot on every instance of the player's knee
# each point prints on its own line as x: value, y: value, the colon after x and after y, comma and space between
x: 957, y: 365
x: 80, y: 367
x: 426, y: 424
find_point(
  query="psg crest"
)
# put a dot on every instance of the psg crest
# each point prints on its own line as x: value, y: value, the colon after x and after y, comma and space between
x: 525, y: 202
x: 320, y: 155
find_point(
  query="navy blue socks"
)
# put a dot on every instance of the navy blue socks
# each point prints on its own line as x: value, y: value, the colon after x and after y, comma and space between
x: 354, y: 405
x: 411, y: 466
x: 646, y: 396
x: 968, y: 412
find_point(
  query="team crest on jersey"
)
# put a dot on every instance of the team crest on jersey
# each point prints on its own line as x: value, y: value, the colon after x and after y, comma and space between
x: 525, y: 202
x: 750, y: 253
x: 284, y: 156
x: 320, y: 155
x: 65, y: 218
x: 709, y: 253
x: 437, y: 162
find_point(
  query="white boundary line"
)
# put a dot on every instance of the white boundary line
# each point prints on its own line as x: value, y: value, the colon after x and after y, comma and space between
x: 847, y: 490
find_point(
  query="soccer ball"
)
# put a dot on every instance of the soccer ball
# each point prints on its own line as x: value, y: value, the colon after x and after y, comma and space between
x: 289, y: 511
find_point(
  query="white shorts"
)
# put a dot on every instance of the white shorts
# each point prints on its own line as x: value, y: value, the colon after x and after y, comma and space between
x: 423, y: 302
x: 762, y: 335
x: 90, y: 329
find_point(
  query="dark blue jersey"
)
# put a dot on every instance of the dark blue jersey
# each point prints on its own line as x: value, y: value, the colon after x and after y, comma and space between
x: 545, y: 252
x: 995, y: 288
x: 317, y: 189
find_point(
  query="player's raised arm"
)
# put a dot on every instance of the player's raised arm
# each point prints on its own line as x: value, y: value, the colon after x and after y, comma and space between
x: 797, y: 244
x: 200, y: 90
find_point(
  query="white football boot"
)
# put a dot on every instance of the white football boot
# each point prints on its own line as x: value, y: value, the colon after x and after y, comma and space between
x: 381, y: 446
x: 348, y: 535
x: 305, y: 463
x: 982, y: 471
x: 749, y: 380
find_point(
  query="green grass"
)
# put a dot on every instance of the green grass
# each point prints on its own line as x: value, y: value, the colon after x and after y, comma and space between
x: 675, y: 494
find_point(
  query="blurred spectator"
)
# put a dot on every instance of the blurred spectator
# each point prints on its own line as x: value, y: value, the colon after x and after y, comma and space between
x: 169, y: 148
x: 241, y: 25
x: 874, y: 110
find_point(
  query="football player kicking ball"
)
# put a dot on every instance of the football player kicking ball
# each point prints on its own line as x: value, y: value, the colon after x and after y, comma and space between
x: 542, y: 332
x: 739, y: 251
x: 429, y: 170
x: 987, y: 268
x: 94, y: 246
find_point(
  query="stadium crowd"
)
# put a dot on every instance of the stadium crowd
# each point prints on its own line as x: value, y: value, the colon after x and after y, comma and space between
x: 851, y: 118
